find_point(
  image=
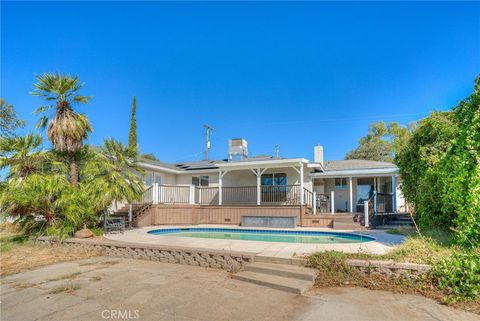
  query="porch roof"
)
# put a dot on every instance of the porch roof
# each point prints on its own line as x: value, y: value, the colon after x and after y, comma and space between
x: 262, y: 163
x: 354, y: 167
x: 215, y: 165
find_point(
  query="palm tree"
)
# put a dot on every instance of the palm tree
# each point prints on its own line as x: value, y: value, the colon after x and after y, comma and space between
x: 112, y: 174
x: 22, y: 156
x: 67, y: 129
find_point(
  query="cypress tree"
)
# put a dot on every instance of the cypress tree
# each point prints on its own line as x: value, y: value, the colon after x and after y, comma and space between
x: 132, y: 136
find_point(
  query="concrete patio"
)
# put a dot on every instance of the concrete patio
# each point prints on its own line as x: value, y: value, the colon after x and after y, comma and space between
x: 159, y: 291
x: 383, y: 243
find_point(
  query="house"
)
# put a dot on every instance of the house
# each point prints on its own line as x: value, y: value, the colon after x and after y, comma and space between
x: 317, y: 192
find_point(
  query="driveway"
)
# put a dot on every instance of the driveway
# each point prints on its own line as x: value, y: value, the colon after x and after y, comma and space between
x: 121, y: 289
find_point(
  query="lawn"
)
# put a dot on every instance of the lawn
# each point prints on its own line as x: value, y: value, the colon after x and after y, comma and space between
x: 20, y: 253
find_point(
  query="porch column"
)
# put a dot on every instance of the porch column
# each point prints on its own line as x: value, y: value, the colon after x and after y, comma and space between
x: 220, y: 176
x: 332, y: 200
x: 302, y: 192
x: 351, y: 193
x: 258, y: 172
x: 394, y: 194
x: 220, y: 183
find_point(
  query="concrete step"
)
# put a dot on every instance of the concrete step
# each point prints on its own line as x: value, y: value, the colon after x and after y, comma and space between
x: 275, y: 282
x: 279, y: 260
x: 290, y: 271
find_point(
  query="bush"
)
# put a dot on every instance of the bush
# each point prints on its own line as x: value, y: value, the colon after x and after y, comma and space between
x: 458, y: 276
x: 440, y: 169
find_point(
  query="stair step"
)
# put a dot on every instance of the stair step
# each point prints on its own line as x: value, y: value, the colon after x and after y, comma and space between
x: 290, y: 271
x: 274, y: 282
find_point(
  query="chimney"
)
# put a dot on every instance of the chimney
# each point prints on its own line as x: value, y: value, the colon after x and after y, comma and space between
x: 318, y: 154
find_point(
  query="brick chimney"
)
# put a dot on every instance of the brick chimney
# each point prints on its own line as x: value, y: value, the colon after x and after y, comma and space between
x: 318, y: 154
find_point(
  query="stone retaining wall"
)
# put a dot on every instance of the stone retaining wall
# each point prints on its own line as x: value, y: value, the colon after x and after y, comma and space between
x: 231, y: 261
x: 390, y: 268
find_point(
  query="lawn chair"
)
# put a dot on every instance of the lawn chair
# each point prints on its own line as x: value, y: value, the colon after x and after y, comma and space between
x: 113, y: 223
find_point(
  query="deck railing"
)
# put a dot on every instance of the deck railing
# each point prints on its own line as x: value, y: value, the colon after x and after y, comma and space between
x: 280, y: 194
x: 206, y: 195
x: 239, y: 195
x: 174, y: 194
x: 324, y: 203
x: 384, y: 203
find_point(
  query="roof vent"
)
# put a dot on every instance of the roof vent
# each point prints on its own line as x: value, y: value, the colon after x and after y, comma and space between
x: 237, y: 149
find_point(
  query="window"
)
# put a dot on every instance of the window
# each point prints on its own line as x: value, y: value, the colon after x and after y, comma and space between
x: 341, y: 183
x: 200, y: 180
x: 151, y: 178
x: 276, y: 179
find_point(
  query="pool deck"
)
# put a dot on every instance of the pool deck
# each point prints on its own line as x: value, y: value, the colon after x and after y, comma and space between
x: 384, y: 242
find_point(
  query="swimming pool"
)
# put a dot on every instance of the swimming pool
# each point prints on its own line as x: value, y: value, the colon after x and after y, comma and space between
x: 287, y: 236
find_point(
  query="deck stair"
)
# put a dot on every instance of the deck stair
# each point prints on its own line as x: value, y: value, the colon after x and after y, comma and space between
x: 347, y: 221
x: 284, y: 277
x: 397, y: 220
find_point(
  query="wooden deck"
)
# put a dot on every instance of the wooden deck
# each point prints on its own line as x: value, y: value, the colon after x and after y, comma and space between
x: 164, y: 214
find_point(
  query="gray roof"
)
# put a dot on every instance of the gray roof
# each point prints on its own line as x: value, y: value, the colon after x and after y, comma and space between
x: 340, y: 165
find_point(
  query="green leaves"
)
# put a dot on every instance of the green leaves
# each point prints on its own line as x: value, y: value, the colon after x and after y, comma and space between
x: 381, y: 143
x: 440, y: 170
x: 459, y: 276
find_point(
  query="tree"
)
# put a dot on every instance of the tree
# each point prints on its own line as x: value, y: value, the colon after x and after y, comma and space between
x: 418, y: 165
x: 112, y: 174
x: 132, y: 136
x: 440, y: 169
x: 9, y: 121
x: 22, y: 156
x: 150, y: 156
x: 67, y: 129
x: 381, y: 143
x: 460, y: 170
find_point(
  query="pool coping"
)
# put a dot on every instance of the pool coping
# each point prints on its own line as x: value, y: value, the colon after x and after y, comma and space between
x: 278, y: 250
x: 297, y: 232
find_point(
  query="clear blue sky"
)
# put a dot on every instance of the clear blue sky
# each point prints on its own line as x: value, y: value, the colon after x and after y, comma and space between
x: 293, y: 74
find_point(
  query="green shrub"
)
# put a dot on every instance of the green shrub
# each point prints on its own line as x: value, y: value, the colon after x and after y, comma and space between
x: 458, y: 276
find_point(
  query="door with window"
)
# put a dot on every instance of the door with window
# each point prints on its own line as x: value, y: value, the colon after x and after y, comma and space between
x: 274, y: 188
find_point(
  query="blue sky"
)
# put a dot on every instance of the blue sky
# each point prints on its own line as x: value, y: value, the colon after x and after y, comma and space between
x: 294, y: 74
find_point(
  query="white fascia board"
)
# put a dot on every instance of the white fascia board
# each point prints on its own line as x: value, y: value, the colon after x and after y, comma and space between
x: 358, y: 172
x: 158, y: 168
x: 265, y: 163
x: 175, y: 171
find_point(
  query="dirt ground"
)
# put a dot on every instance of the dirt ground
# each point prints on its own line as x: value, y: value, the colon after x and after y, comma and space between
x: 103, y: 288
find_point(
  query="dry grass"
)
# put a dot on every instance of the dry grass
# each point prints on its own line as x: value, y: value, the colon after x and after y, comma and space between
x: 19, y: 253
x: 333, y: 272
x: 68, y: 287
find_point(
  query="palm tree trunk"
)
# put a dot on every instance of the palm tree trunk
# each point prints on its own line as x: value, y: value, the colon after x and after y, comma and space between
x: 73, y: 169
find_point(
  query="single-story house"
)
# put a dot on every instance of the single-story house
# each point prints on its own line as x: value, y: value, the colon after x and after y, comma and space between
x: 221, y: 191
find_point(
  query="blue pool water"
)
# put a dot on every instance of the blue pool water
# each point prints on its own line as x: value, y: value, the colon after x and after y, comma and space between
x: 287, y: 236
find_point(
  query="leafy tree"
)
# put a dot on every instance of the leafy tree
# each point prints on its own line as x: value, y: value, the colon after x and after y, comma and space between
x: 9, y: 121
x: 150, y: 156
x: 460, y: 171
x: 418, y: 162
x: 440, y: 169
x: 381, y: 143
x: 132, y: 136
x: 67, y: 129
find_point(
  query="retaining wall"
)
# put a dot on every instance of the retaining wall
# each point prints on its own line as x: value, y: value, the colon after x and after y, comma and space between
x: 390, y: 268
x: 231, y: 261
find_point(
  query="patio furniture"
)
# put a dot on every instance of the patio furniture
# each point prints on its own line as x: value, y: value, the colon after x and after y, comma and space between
x: 114, y: 224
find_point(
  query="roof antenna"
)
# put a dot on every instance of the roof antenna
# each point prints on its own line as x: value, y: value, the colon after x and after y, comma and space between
x: 208, y: 130
x: 277, y: 151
